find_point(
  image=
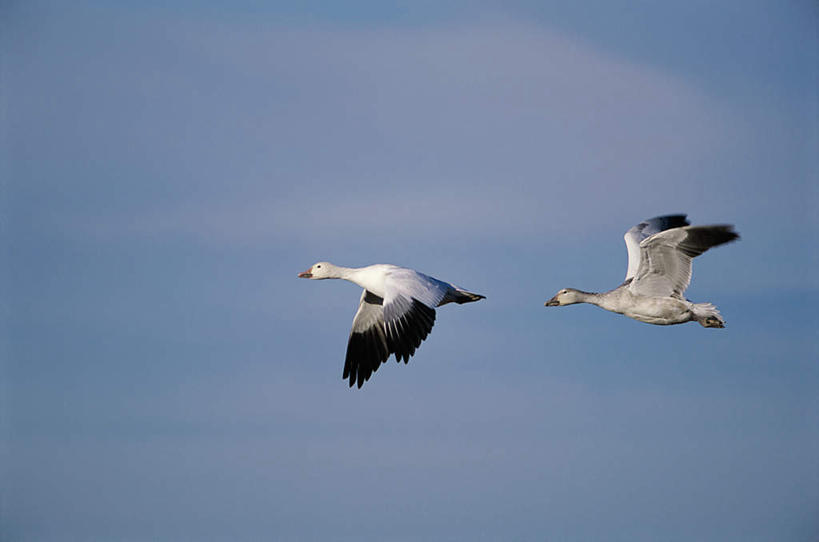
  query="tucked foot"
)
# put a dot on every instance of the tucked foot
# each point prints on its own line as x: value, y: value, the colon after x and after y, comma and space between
x: 712, y: 322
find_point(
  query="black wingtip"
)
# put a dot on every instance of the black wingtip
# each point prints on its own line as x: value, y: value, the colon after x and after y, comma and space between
x: 667, y: 222
x: 366, y: 350
x: 702, y: 238
x: 721, y: 234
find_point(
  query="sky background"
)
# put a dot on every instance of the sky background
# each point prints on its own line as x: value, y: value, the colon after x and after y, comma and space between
x: 169, y: 167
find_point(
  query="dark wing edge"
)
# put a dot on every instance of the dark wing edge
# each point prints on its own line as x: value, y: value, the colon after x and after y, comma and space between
x: 662, y: 223
x: 701, y: 238
x: 666, y: 258
x: 407, y: 324
x: 367, y: 346
x: 650, y: 226
x: 375, y: 335
x: 645, y: 229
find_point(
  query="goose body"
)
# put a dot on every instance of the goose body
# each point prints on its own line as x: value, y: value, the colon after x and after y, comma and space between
x: 395, y: 314
x: 660, y: 252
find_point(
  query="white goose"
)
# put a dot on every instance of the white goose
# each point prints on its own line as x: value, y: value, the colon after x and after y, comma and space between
x: 395, y: 314
x: 660, y: 251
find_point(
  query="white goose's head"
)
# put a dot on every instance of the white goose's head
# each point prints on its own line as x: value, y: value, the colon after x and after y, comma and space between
x: 566, y: 296
x: 320, y: 270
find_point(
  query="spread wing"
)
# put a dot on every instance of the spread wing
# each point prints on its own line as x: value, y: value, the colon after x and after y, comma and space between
x: 665, y: 258
x: 395, y: 325
x: 407, y: 323
x: 645, y: 229
x: 408, y: 309
x: 367, y: 347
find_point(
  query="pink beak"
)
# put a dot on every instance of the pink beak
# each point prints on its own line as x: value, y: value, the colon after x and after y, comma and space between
x: 307, y: 274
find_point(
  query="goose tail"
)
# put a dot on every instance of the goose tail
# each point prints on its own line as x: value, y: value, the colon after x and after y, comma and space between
x: 461, y: 296
x: 707, y: 315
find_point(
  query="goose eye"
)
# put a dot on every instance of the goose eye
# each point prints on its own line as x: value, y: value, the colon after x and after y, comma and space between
x: 318, y: 267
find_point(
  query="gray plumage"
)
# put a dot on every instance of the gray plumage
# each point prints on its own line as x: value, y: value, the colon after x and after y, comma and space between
x: 660, y: 252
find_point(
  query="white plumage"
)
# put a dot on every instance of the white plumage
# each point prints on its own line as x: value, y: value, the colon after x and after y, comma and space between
x: 395, y: 314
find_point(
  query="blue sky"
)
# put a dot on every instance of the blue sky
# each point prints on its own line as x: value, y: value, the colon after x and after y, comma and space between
x: 168, y: 169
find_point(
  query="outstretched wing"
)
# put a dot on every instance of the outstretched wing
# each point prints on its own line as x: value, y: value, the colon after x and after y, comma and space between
x: 367, y: 347
x: 407, y: 322
x: 645, y: 229
x: 409, y: 298
x: 397, y: 324
x: 665, y: 258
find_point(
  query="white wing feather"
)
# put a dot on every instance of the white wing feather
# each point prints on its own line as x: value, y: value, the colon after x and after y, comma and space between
x: 410, y: 284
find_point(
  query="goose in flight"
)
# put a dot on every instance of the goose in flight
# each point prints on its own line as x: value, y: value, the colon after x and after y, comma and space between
x: 660, y: 251
x: 396, y: 312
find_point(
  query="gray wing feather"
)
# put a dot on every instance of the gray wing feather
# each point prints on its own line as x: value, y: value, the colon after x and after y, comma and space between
x: 665, y: 258
x: 645, y: 229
